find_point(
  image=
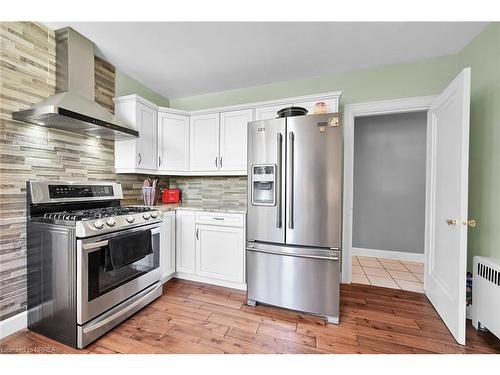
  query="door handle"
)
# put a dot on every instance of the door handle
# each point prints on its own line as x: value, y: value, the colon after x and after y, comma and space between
x: 471, y: 223
x: 277, y: 185
x: 291, y: 139
x: 451, y: 222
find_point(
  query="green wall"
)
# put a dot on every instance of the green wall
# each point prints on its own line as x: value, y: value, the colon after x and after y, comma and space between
x: 125, y: 85
x: 425, y: 77
x: 483, y: 56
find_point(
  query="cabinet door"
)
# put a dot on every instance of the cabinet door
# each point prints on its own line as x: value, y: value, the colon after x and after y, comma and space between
x: 268, y: 113
x: 220, y: 252
x: 331, y: 105
x: 185, y: 241
x: 147, y: 141
x: 233, y: 140
x: 204, y: 143
x: 173, y: 142
x: 167, y: 244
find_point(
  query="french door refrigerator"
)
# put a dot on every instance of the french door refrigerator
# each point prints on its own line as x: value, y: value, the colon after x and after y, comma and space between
x: 294, y: 213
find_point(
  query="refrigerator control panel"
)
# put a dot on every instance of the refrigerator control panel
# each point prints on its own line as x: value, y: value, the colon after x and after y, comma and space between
x: 263, y: 185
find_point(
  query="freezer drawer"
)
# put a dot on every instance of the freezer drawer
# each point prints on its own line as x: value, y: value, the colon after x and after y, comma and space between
x: 303, y: 279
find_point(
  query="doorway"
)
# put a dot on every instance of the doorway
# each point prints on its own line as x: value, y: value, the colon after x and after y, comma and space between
x: 371, y: 116
x: 389, y: 182
x: 446, y: 193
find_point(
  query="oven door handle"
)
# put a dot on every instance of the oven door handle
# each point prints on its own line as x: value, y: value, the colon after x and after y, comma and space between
x: 93, y: 246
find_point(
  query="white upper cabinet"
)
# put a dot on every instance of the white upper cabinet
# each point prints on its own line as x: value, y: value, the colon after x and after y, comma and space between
x: 204, y: 143
x: 210, y: 142
x: 233, y: 140
x: 173, y: 142
x: 147, y: 141
x: 137, y: 153
x: 269, y: 112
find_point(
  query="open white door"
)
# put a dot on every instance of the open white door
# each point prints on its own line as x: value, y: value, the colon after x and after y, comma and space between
x: 447, y: 185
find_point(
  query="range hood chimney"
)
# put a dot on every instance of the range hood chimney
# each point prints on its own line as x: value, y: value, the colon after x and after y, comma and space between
x: 73, y: 108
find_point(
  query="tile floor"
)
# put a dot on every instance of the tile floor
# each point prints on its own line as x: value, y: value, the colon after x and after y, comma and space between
x: 388, y: 273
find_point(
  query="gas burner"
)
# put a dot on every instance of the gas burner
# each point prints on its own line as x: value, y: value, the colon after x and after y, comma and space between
x: 96, y: 213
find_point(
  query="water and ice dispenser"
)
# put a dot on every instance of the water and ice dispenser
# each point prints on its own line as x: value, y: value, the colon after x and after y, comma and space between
x: 264, y: 185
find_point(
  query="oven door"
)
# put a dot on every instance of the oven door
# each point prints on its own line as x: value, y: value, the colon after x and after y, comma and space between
x: 99, y: 290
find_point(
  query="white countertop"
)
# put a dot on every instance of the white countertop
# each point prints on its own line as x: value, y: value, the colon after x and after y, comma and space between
x: 233, y: 209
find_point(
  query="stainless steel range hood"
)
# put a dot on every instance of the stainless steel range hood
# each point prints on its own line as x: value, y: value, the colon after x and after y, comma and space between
x: 73, y: 107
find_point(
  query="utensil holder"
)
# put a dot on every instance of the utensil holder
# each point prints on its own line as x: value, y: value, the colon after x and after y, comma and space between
x: 149, y: 195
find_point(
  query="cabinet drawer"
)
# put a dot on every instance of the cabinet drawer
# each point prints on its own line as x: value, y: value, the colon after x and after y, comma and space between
x: 222, y: 219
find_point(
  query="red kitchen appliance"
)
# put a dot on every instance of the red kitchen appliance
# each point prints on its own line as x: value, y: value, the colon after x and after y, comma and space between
x: 171, y: 195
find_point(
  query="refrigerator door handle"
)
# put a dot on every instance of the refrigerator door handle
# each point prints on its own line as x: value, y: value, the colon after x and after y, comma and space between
x: 279, y: 145
x: 335, y: 256
x: 291, y: 138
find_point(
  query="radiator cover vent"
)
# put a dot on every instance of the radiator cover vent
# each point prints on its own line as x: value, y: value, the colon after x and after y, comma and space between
x: 488, y: 273
x: 486, y: 294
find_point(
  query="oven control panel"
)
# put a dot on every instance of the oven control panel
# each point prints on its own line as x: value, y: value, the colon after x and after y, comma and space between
x: 80, y: 191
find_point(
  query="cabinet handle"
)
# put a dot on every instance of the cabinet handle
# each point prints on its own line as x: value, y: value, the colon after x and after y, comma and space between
x: 218, y: 218
x: 220, y: 162
x: 197, y: 230
x: 216, y: 162
x: 140, y: 158
x: 159, y: 161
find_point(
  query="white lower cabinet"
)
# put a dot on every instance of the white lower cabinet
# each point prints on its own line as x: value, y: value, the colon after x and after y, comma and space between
x: 167, y: 245
x: 210, y: 247
x: 220, y: 252
x: 185, y: 241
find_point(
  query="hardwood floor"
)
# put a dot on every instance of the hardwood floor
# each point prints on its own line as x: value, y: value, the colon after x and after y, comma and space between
x: 198, y: 318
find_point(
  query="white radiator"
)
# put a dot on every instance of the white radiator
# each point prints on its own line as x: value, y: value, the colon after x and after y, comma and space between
x: 486, y: 294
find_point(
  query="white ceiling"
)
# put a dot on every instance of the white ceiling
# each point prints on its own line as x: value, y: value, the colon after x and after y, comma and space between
x: 179, y: 59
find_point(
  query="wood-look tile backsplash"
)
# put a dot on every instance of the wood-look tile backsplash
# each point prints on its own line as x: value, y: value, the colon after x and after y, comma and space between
x: 27, y: 76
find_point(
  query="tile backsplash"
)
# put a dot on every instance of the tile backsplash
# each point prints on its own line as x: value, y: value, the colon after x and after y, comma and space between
x: 225, y: 190
x: 28, y: 64
x: 29, y: 152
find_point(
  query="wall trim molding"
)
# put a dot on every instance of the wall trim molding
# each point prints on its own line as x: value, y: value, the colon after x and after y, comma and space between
x: 388, y: 254
x: 351, y: 111
x: 13, y: 324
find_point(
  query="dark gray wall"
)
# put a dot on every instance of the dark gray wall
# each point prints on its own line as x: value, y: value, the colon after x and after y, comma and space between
x: 389, y: 182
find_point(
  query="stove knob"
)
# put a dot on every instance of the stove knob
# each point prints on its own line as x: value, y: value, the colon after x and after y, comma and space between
x: 130, y: 219
x: 111, y: 222
x: 99, y: 224
x: 146, y: 216
x: 154, y: 214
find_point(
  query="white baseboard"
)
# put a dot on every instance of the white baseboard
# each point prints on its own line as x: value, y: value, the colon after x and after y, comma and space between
x: 388, y: 254
x: 207, y: 280
x: 13, y: 324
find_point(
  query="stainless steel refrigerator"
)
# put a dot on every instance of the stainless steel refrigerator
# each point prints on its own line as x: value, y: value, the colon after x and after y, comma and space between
x: 294, y: 213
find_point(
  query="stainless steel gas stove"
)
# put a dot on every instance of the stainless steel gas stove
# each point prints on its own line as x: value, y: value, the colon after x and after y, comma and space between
x: 91, y: 262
